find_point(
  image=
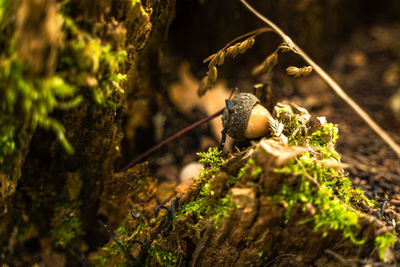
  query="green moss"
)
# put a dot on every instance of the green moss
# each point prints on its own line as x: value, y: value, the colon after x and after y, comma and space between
x: 211, y: 158
x: 197, y: 206
x: 251, y: 168
x: 164, y: 258
x: 256, y: 171
x: 334, y: 200
x: 67, y: 227
x: 31, y: 100
x: 332, y: 213
x: 328, y: 134
x: 224, y: 206
x: 134, y: 2
x: 85, y: 67
x: 325, y: 139
x: 326, y: 193
x: 7, y: 144
x: 91, y: 65
x: 294, y: 127
x: 112, y: 250
x: 384, y: 242
x: 112, y: 255
x: 205, y: 206
x: 263, y: 257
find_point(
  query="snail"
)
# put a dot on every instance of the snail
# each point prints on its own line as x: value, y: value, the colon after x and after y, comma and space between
x: 245, y: 118
x: 242, y: 118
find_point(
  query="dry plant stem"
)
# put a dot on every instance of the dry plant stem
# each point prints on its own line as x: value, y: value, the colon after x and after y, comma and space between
x: 338, y: 90
x: 252, y: 34
x: 169, y: 139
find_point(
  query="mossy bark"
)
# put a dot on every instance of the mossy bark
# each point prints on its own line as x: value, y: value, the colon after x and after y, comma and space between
x: 251, y: 230
x: 46, y: 192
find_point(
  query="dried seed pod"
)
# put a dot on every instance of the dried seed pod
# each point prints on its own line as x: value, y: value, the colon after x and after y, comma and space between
x: 229, y: 50
x: 298, y: 72
x: 248, y: 120
x: 221, y: 58
x: 213, y: 61
x: 209, y: 58
x: 272, y: 60
x: 212, y: 74
x: 250, y: 43
x: 242, y: 47
x: 292, y: 71
x: 235, y: 50
x: 204, y: 86
x: 306, y: 70
x: 267, y: 65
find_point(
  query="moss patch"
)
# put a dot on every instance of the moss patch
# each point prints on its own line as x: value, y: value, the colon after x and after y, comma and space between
x: 207, y: 204
x: 67, y: 227
x: 321, y: 187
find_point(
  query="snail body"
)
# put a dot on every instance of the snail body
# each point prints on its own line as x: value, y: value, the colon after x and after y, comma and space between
x: 246, y: 118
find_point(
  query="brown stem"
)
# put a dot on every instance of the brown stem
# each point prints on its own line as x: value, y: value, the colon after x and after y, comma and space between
x: 336, y: 87
x: 169, y: 139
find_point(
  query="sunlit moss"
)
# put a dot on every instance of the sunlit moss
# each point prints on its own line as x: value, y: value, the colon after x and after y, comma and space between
x: 204, y: 206
x: 85, y: 67
x: 385, y: 241
x: 334, y: 199
x: 163, y: 258
x: 85, y: 62
x: 294, y: 127
x: 324, y: 139
x: 224, y: 206
x: 211, y: 158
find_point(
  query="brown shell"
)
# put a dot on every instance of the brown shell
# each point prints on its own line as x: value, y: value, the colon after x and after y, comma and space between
x: 242, y: 104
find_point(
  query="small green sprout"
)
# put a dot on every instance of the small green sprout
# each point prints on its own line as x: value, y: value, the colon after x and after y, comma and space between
x: 211, y: 158
x: 164, y: 258
x: 384, y: 242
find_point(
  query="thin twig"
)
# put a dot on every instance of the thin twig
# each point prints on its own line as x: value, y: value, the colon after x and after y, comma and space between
x: 171, y: 138
x: 338, y: 90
